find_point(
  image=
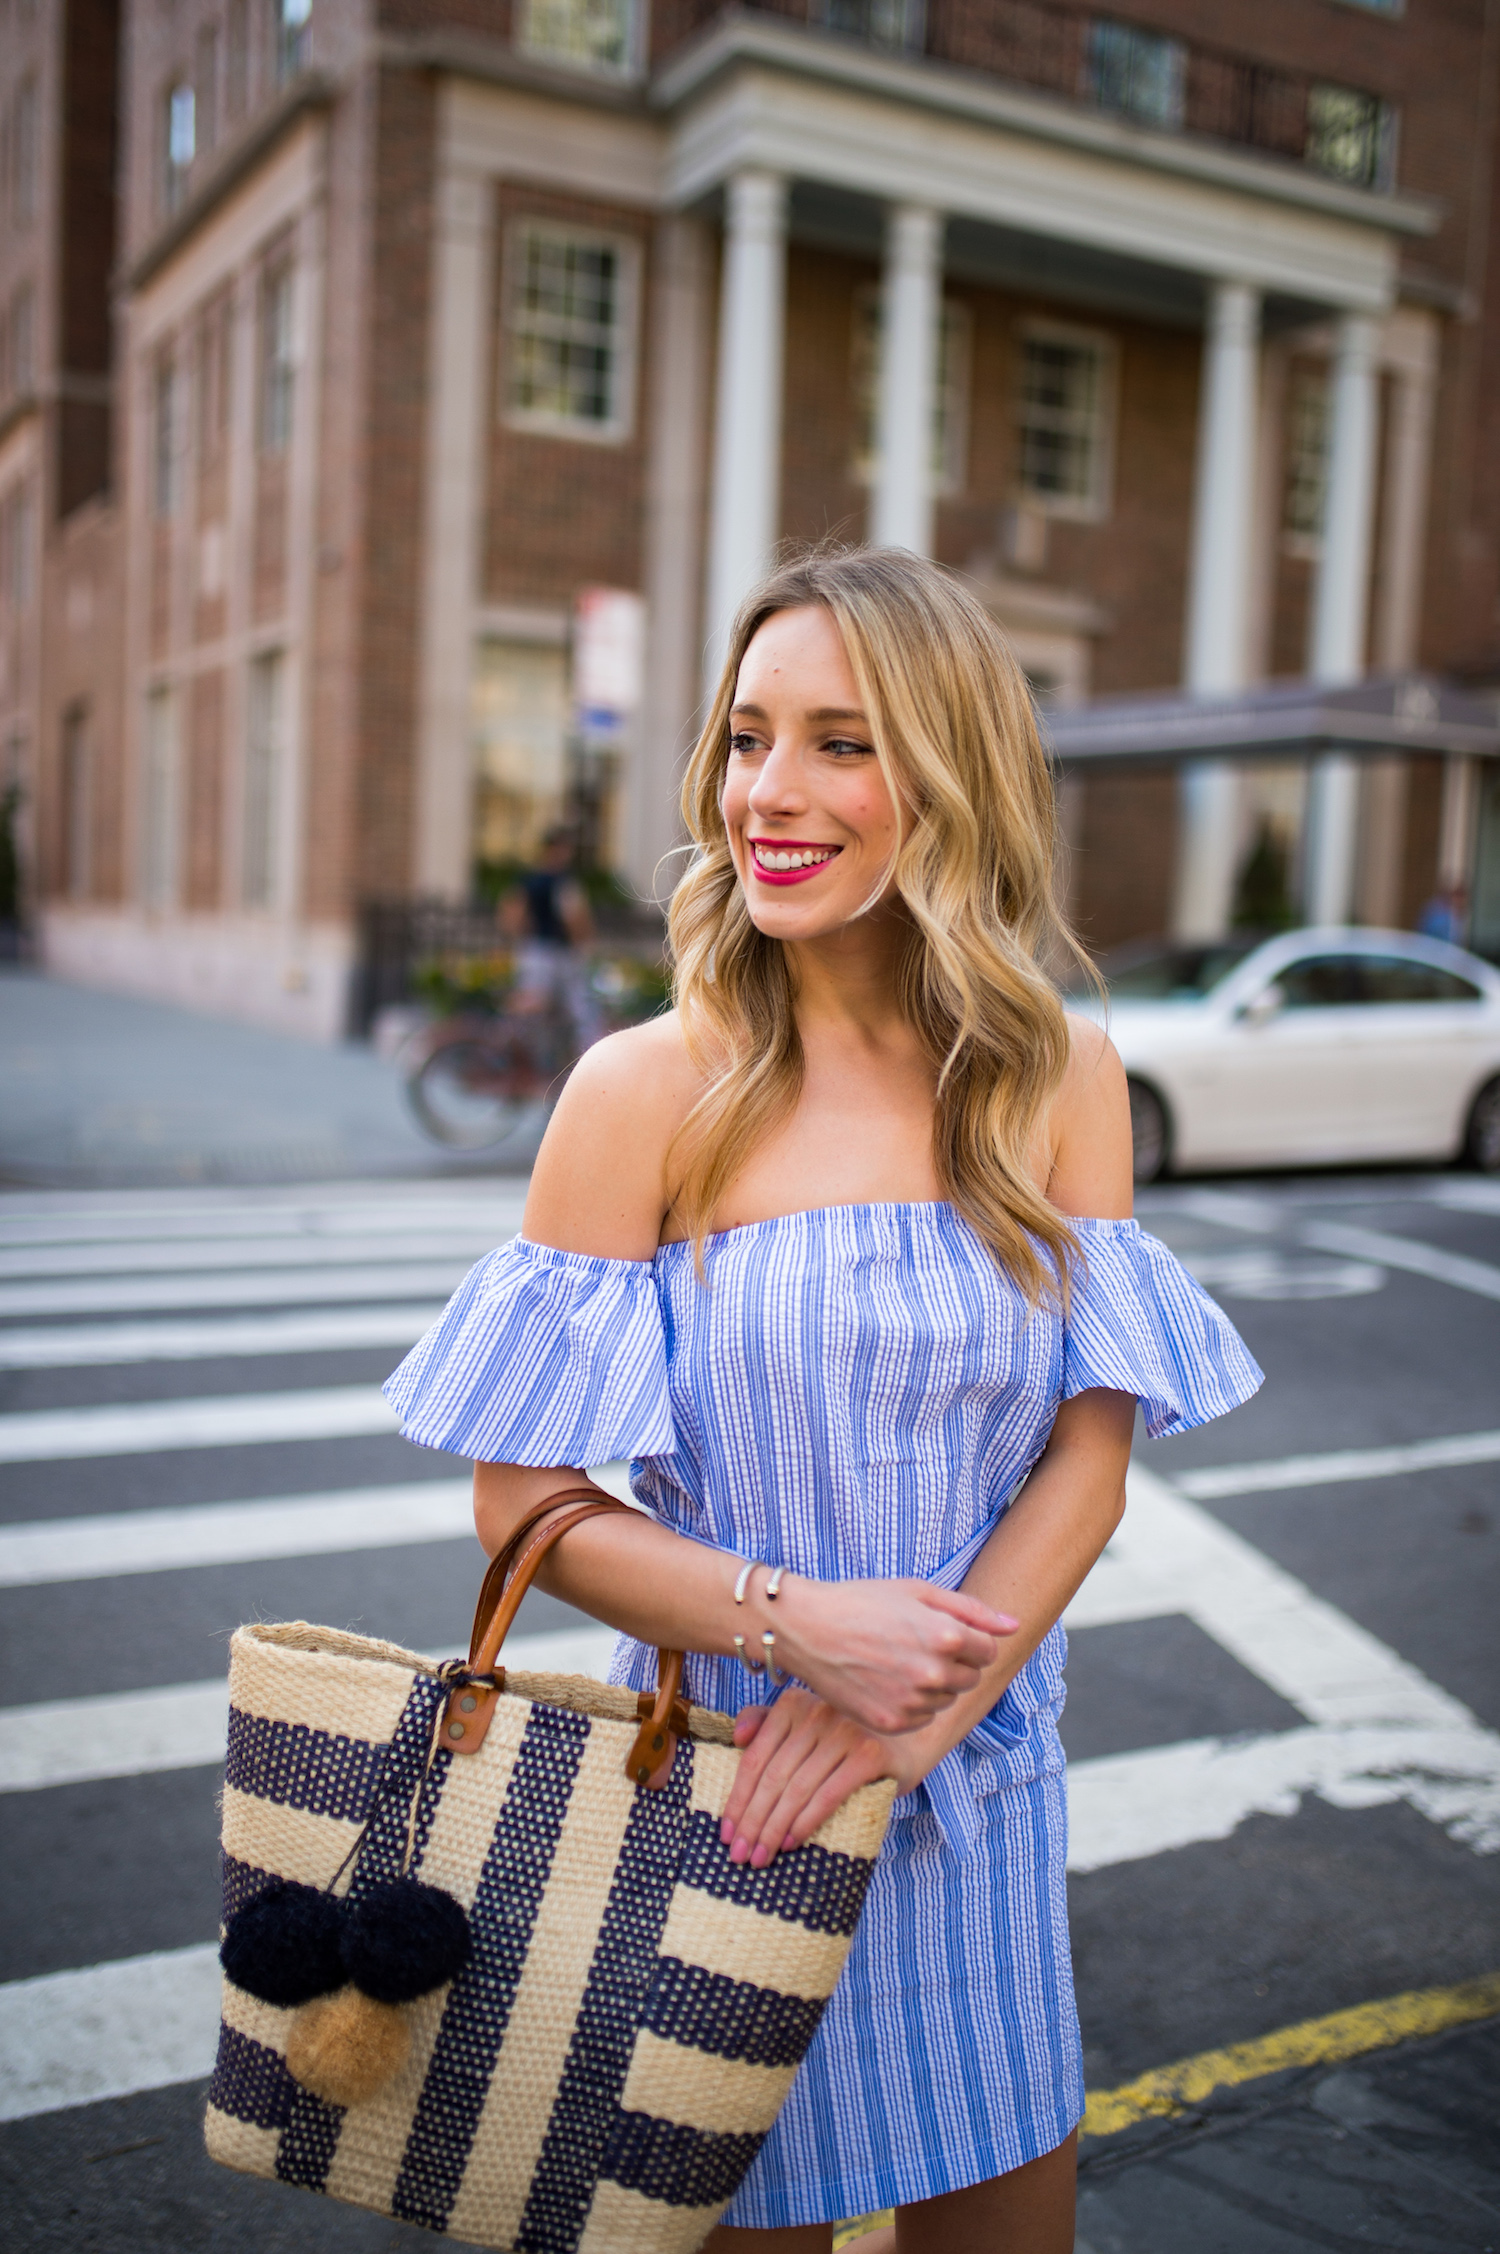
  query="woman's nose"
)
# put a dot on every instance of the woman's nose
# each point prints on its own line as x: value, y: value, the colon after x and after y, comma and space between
x: 778, y: 787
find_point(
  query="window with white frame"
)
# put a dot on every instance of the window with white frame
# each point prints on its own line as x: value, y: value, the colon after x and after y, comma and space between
x: 277, y: 360
x: 77, y: 793
x: 520, y: 711
x: 159, y: 801
x: 898, y: 24
x: 1065, y: 402
x: 179, y: 142
x: 165, y: 437
x: 265, y: 760
x: 1351, y: 135
x: 570, y: 330
x: 1309, y: 425
x: 1140, y: 74
x: 605, y: 35
x: 950, y: 402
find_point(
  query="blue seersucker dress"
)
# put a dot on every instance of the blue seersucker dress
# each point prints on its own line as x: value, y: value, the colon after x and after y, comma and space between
x: 858, y: 1390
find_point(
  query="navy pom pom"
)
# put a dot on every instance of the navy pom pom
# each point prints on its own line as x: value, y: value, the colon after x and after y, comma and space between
x: 403, y: 1938
x: 283, y: 1945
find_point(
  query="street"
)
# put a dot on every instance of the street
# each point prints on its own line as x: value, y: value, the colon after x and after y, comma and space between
x: 1283, y: 1716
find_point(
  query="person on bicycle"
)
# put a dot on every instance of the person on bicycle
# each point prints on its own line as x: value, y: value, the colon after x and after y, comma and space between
x: 546, y: 914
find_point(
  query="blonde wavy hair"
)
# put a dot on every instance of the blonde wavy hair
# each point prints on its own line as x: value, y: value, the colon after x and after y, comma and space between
x: 955, y: 734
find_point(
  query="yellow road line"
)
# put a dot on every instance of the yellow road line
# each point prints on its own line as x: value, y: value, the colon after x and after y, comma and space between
x: 1312, y: 2042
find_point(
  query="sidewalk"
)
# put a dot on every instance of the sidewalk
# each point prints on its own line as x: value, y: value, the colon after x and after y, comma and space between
x: 102, y: 1091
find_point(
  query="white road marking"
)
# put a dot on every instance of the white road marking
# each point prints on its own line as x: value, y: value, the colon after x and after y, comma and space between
x: 165, y: 1541
x: 472, y: 1216
x: 63, y: 1346
x: 1465, y: 1196
x: 1339, y: 1464
x: 71, y: 2038
x: 267, y: 1249
x: 182, y: 1725
x: 285, y: 1287
x: 1404, y: 1252
x: 1260, y: 1272
x: 319, y: 1525
x: 1385, y: 1732
x: 227, y: 1420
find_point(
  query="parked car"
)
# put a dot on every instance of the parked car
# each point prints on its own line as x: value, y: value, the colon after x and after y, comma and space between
x: 1317, y: 1047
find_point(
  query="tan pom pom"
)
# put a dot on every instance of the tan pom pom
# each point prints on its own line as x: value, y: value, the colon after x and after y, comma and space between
x: 346, y: 2047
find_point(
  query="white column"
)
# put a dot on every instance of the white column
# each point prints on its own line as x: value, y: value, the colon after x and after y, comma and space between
x: 1340, y: 608
x: 911, y: 308
x: 681, y: 356
x: 463, y: 257
x: 747, y: 431
x: 1218, y: 624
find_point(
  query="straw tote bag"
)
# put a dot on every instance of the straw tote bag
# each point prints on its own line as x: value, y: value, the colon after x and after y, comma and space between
x: 628, y: 2008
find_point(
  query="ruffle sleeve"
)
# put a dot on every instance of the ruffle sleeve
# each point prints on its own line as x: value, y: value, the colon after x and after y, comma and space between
x: 1138, y: 1323
x: 541, y: 1357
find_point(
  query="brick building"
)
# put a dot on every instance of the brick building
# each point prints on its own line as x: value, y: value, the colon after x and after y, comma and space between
x: 1177, y: 327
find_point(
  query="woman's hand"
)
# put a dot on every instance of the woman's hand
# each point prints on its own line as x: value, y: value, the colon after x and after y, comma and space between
x: 802, y: 1760
x: 887, y: 1655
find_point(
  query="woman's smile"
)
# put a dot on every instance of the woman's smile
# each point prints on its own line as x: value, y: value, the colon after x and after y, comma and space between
x: 788, y: 860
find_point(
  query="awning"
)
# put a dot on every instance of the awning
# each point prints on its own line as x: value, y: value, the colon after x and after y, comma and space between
x: 1409, y: 712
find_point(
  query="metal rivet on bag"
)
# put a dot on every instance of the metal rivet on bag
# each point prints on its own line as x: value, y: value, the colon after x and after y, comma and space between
x: 455, y: 1729
x: 468, y: 1702
x: 642, y: 1773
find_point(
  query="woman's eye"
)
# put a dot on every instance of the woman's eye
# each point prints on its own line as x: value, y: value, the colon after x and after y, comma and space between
x: 845, y: 747
x: 744, y: 746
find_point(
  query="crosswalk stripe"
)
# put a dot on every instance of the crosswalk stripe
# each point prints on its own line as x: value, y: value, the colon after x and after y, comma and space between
x: 265, y: 1250
x: 165, y: 1541
x: 282, y: 1287
x: 227, y: 1420
x: 1454, y: 1268
x: 56, y: 1346
x: 181, y: 1725
x: 107, y: 2030
x: 1337, y: 1464
x: 472, y: 1216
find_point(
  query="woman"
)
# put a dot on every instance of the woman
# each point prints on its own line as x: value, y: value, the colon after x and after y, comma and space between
x: 800, y: 1249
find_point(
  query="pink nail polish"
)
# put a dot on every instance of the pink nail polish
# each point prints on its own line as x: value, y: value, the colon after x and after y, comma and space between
x: 726, y: 1832
x: 760, y: 1857
x: 739, y: 1851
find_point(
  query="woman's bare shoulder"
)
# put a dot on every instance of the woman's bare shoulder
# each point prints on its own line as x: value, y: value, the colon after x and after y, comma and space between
x: 1090, y: 1129
x: 599, y: 1185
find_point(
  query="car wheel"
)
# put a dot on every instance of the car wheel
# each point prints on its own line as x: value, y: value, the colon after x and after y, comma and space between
x: 1149, y: 1134
x: 1482, y: 1142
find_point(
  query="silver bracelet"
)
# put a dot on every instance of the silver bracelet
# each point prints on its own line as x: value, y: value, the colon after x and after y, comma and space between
x: 742, y: 1582
x: 768, y: 1640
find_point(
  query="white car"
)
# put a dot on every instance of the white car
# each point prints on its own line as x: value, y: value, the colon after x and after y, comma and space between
x: 1316, y: 1048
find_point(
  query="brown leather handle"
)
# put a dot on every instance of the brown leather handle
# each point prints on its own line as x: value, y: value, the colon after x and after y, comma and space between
x: 512, y: 1570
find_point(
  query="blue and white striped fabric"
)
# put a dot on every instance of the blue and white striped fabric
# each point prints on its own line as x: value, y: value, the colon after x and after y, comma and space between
x: 858, y: 1390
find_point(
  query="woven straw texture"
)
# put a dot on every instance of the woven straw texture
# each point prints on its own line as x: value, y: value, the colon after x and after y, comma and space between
x: 602, y: 2073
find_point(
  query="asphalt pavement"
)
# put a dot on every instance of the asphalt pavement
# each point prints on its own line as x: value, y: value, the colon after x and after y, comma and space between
x: 1283, y: 1718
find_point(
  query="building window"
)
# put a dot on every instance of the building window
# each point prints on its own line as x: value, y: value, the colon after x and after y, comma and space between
x: 159, y: 801
x: 25, y: 154
x: 1140, y: 74
x: 520, y: 718
x: 164, y: 439
x: 22, y: 328
x: 293, y: 38
x: 590, y: 34
x: 277, y: 364
x: 1351, y: 136
x: 15, y: 549
x: 570, y: 321
x: 208, y: 86
x: 899, y: 24
x: 1309, y: 425
x: 264, y: 762
x: 1065, y: 417
x: 950, y: 405
x: 179, y: 142
x: 236, y: 58
x: 215, y: 348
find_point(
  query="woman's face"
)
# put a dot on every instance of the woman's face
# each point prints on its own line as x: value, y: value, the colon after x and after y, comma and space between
x: 811, y: 823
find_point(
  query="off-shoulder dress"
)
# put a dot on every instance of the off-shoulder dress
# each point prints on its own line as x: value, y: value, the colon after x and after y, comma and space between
x: 858, y: 1390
